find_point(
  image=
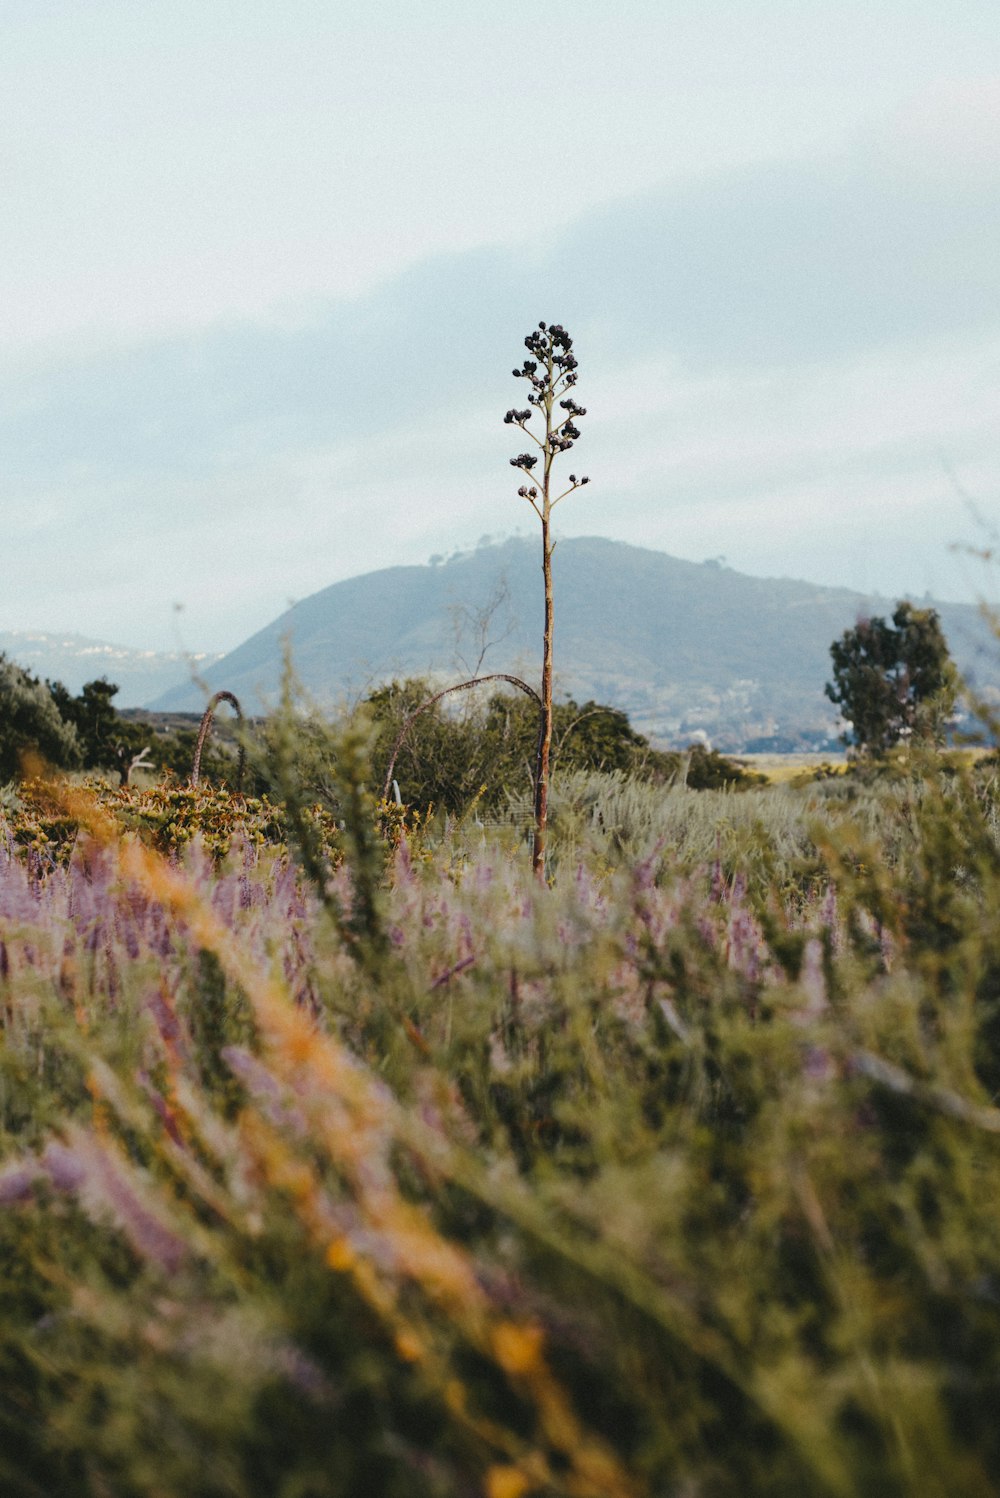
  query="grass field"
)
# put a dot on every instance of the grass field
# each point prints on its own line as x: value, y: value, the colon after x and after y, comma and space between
x: 338, y: 1164
x: 780, y: 768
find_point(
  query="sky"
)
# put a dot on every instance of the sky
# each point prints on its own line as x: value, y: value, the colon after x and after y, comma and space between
x: 265, y: 271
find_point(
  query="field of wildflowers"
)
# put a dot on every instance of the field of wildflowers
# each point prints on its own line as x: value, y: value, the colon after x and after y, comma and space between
x: 334, y: 1163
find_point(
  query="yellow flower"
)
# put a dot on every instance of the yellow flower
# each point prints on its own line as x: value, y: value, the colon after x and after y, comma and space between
x: 340, y: 1255
x: 506, y: 1482
x: 517, y: 1348
x: 409, y: 1347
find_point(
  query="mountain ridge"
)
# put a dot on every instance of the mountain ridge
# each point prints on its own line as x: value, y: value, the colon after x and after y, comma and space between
x: 75, y: 659
x: 685, y: 648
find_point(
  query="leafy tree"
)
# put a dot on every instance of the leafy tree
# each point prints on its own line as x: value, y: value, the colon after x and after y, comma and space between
x: 93, y: 716
x: 551, y: 373
x: 107, y: 741
x: 893, y: 679
x: 30, y: 723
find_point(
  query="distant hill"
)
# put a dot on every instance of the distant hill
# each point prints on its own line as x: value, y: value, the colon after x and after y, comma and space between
x: 73, y: 660
x: 681, y: 646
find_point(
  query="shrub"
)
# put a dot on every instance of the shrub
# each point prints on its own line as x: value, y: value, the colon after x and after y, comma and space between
x: 166, y: 817
x: 31, y: 725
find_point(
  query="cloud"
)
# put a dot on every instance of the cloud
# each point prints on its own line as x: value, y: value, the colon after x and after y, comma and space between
x: 814, y: 329
x: 950, y: 128
x: 796, y: 262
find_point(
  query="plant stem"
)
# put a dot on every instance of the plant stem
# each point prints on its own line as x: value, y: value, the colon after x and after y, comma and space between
x: 545, y: 725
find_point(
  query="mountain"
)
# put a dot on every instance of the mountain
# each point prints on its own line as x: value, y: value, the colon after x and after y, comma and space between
x: 73, y: 660
x: 682, y: 646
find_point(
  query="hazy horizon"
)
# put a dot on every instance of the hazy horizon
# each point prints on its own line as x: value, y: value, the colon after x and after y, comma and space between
x: 182, y: 651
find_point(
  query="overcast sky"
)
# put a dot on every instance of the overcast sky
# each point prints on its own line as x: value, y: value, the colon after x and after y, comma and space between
x: 265, y: 272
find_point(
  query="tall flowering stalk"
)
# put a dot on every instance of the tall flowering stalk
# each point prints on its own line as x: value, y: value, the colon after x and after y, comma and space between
x: 551, y: 373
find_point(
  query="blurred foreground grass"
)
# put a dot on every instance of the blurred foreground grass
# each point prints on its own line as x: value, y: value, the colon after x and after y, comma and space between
x: 389, y: 1172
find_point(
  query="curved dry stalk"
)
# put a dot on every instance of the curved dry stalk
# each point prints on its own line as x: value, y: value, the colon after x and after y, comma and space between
x: 206, y: 723
x: 462, y: 686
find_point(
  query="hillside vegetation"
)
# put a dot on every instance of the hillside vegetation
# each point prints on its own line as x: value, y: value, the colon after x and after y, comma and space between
x: 352, y: 1160
x: 680, y: 647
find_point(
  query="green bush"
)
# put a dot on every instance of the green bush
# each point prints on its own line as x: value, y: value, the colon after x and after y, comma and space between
x: 31, y: 725
x: 467, y: 748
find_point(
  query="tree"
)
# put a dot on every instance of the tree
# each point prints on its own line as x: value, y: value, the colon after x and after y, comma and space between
x: 31, y: 724
x: 93, y: 717
x: 106, y: 740
x: 551, y: 373
x: 893, y: 680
